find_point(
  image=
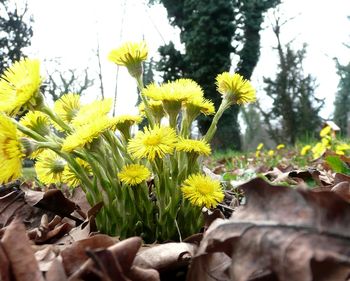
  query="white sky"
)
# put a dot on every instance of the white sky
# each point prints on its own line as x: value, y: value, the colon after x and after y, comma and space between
x: 70, y: 28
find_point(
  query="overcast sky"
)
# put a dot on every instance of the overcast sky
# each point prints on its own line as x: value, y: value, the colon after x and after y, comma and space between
x: 69, y: 29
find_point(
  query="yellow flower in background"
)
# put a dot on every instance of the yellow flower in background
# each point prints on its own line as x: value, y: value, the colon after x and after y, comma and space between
x: 235, y: 88
x: 271, y: 152
x: 37, y: 121
x: 260, y: 146
x: 318, y: 150
x: 326, y: 141
x: 134, y: 174
x: 152, y: 143
x: 280, y: 146
x: 67, y: 106
x: 92, y: 112
x: 202, y: 191
x: 257, y: 153
x: 153, y: 91
x: 156, y: 108
x: 340, y: 149
x: 131, y: 55
x: 85, y: 134
x: 325, y: 131
x: 124, y: 123
x: 193, y: 146
x: 71, y: 178
x: 11, y: 151
x: 200, y: 105
x: 20, y: 87
x: 305, y: 150
x: 49, y: 167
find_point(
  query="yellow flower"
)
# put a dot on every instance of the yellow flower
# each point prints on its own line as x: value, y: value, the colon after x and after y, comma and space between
x: 195, y: 106
x: 235, y: 88
x: 341, y: 148
x: 280, y: 146
x: 305, y: 150
x: 37, y: 121
x: 270, y: 152
x: 318, y: 150
x: 202, y: 191
x: 85, y: 134
x: 11, y: 151
x: 257, y: 153
x: 49, y: 167
x: 67, y: 106
x: 20, y: 87
x: 325, y: 131
x: 152, y: 143
x: 92, y: 112
x: 156, y: 108
x: 134, y: 174
x: 131, y: 55
x: 195, y: 146
x: 124, y: 122
x: 69, y: 176
x: 260, y: 146
x: 153, y: 91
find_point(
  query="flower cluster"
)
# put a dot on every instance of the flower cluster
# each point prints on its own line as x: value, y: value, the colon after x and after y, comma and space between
x: 150, y: 183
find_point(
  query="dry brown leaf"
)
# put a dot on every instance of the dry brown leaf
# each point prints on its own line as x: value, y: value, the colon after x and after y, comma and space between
x: 280, y: 234
x: 75, y: 255
x: 20, y: 254
x: 56, y: 272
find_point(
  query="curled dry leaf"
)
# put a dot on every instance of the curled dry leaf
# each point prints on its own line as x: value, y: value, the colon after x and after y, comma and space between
x: 280, y: 234
x: 20, y: 254
x: 165, y: 257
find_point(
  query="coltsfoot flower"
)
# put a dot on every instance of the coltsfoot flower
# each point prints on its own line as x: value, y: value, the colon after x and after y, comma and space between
x: 134, y: 174
x: 305, y: 149
x: 199, y: 147
x: 36, y: 121
x: 67, y: 106
x: 49, y: 167
x: 235, y: 88
x: 202, y: 191
x: 20, y: 87
x: 11, y: 151
x: 152, y: 143
x: 70, y: 177
x: 131, y: 55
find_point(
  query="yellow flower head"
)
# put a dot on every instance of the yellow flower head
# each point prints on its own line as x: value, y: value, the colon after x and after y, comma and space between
x: 235, y: 88
x: 37, y: 121
x: 270, y: 152
x: 67, y: 106
x: 131, y: 55
x: 280, y: 146
x: 341, y: 148
x: 92, y: 112
x: 134, y: 174
x: 124, y: 122
x: 260, y: 146
x: 156, y: 108
x: 318, y: 150
x: 193, y: 146
x: 202, y: 191
x: 305, y: 150
x: 70, y: 177
x: 153, y: 91
x: 85, y: 134
x: 325, y: 131
x: 49, y: 167
x: 195, y: 106
x: 152, y: 143
x: 20, y: 87
x: 11, y: 151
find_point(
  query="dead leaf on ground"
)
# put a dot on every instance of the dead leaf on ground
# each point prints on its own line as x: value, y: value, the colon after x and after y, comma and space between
x: 280, y: 234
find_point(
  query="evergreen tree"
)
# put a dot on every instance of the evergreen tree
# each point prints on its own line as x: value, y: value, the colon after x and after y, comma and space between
x: 211, y: 32
x: 294, y: 111
x: 16, y: 32
x: 342, y: 100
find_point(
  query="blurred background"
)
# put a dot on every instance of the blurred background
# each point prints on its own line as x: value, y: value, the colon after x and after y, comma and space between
x: 295, y: 52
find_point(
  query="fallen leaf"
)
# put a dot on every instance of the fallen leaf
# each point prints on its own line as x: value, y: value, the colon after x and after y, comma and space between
x: 280, y: 234
x: 20, y: 254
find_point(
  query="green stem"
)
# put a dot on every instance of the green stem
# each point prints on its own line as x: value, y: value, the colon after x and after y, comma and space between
x: 34, y: 135
x: 45, y: 109
x: 213, y: 126
x: 140, y: 86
